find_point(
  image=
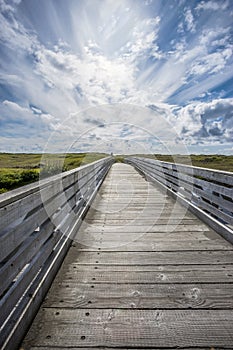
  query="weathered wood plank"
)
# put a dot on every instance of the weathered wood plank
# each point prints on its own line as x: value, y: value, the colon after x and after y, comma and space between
x: 133, y: 328
x: 138, y: 223
x: 109, y: 348
x: 14, y: 236
x: 152, y: 274
x: 154, y: 236
x: 25, y: 253
x: 215, y: 211
x: 151, y: 258
x: 21, y: 284
x: 12, y: 239
x: 128, y: 245
x: 143, y: 296
x: 144, y: 215
x: 150, y: 241
x: 92, y: 226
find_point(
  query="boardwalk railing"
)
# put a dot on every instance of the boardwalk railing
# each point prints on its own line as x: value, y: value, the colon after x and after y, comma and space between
x: 208, y: 193
x: 37, y: 224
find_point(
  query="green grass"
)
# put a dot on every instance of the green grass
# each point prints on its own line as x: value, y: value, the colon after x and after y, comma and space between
x: 20, y: 160
x: 22, y: 168
x: 14, y: 178
x: 119, y: 159
x: 18, y: 169
x: 36, y: 161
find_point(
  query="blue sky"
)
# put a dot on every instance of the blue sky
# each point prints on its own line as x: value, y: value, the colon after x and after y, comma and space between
x: 116, y: 75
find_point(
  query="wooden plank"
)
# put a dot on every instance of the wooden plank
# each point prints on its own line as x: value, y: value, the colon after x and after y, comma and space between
x: 150, y: 241
x: 109, y: 348
x: 145, y: 227
x: 18, y: 208
x: 128, y: 245
x: 133, y: 206
x: 144, y: 296
x: 215, y: 211
x: 152, y: 236
x: 23, y: 281
x: 132, y: 328
x: 25, y: 253
x: 13, y: 237
x: 114, y: 207
x: 126, y: 213
x: 22, y: 316
x: 152, y: 258
x: 220, y: 202
x: 151, y: 274
x: 140, y: 221
x: 88, y: 224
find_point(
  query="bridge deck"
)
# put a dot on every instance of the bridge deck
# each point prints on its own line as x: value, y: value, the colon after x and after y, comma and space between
x: 142, y: 273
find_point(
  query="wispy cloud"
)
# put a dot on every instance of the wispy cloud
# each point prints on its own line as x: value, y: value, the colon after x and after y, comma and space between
x: 212, y: 5
x: 189, y: 21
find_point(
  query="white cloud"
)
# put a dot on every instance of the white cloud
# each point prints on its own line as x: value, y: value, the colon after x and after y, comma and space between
x: 212, y: 5
x: 189, y: 19
x: 207, y: 83
x: 211, y: 63
x: 24, y: 120
x: 13, y: 33
x: 207, y: 120
x: 118, y: 125
x: 213, y: 35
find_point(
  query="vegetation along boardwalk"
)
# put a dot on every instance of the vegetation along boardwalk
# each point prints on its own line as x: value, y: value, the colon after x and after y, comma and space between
x: 143, y: 273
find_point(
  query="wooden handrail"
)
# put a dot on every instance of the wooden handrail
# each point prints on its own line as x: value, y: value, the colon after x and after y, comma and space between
x: 207, y: 192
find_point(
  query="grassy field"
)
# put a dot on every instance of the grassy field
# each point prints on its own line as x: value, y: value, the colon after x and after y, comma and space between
x: 215, y: 161
x: 20, y: 169
x: 17, y: 169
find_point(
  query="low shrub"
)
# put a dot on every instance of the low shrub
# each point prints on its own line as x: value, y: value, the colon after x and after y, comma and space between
x: 11, y: 179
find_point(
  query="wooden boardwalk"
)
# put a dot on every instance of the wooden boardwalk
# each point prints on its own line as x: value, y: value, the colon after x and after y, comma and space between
x: 142, y: 273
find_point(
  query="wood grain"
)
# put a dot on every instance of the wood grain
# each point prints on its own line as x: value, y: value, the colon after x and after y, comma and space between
x: 160, y: 279
x: 143, y: 296
x: 151, y: 274
x: 151, y: 258
x: 132, y: 328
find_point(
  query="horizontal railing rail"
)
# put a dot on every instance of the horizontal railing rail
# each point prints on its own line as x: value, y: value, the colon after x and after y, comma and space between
x: 37, y: 225
x: 210, y: 191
